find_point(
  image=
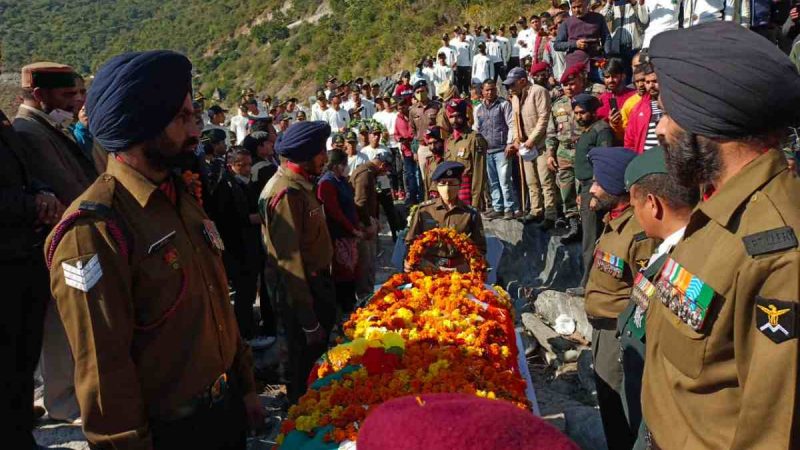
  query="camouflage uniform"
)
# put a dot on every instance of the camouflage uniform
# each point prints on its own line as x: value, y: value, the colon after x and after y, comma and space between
x: 562, y: 134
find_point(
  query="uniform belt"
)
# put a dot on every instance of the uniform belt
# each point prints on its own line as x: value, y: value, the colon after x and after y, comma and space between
x: 602, y: 323
x: 210, y: 396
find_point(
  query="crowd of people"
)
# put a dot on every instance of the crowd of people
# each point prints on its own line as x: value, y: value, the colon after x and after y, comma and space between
x: 161, y: 208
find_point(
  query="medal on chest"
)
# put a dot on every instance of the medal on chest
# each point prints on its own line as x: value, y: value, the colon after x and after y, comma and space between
x: 212, y: 235
x: 643, y: 291
x: 608, y: 263
x: 686, y: 295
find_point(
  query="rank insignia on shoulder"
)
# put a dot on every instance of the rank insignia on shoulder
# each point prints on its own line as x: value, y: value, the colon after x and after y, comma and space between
x: 608, y: 263
x: 640, y: 236
x: 84, y: 275
x: 776, y: 319
x: 686, y: 295
x: 769, y: 241
x: 212, y: 235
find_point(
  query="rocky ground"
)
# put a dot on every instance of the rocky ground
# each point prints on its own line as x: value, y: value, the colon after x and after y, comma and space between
x: 535, y: 269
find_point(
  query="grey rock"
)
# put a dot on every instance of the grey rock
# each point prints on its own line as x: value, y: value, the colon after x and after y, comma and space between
x: 584, y: 426
x: 550, y: 304
x: 533, y: 257
x: 541, y: 332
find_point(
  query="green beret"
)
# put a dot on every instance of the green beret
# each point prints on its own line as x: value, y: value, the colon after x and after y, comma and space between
x: 649, y: 162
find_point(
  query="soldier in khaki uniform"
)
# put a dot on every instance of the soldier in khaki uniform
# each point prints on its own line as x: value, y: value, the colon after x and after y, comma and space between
x: 562, y: 134
x: 467, y: 147
x: 662, y: 208
x: 447, y: 211
x: 136, y: 269
x: 298, y: 244
x: 722, y: 349
x: 621, y: 251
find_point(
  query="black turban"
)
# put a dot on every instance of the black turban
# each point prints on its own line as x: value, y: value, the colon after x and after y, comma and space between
x: 586, y: 101
x: 136, y: 95
x: 721, y: 80
x: 303, y: 141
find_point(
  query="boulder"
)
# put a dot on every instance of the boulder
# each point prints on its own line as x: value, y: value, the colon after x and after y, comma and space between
x: 552, y: 304
x: 583, y: 425
x: 532, y: 257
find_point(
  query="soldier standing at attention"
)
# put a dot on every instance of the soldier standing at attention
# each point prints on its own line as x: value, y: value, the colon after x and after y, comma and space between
x: 562, y: 134
x: 662, y: 208
x: 447, y: 211
x: 722, y: 347
x: 136, y: 269
x: 622, y: 249
x: 467, y: 147
x: 298, y: 244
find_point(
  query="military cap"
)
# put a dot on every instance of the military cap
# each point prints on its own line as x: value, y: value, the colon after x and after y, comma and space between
x: 540, y: 66
x: 321, y: 95
x: 47, y: 75
x: 303, y: 141
x: 213, y: 135
x: 350, y: 137
x: 331, y: 79
x: 434, y: 133
x: 427, y: 422
x: 650, y: 162
x: 456, y: 106
x: 283, y: 117
x: 420, y: 84
x: 338, y: 138
x: 573, y: 70
x: 448, y: 169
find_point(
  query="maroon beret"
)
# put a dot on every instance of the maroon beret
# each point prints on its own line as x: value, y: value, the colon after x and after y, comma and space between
x: 456, y: 106
x: 457, y: 421
x: 538, y: 67
x: 571, y: 71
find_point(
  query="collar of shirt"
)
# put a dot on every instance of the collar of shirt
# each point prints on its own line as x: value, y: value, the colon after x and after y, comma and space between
x: 666, y: 246
x: 619, y: 216
x: 440, y: 205
x: 726, y: 201
x: 42, y: 115
x: 137, y: 184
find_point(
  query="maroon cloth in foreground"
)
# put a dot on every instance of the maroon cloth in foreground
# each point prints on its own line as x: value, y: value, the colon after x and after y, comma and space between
x: 465, y: 191
x: 457, y: 421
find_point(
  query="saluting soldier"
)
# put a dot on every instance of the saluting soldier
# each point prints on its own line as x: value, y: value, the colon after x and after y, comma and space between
x: 722, y: 347
x: 136, y: 269
x: 447, y: 211
x: 563, y: 132
x: 622, y: 249
x: 468, y: 147
x: 298, y: 244
x: 662, y: 208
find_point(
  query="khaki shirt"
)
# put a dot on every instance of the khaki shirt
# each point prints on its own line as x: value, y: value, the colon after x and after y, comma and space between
x: 423, y: 117
x: 149, y: 330
x: 622, y: 250
x: 728, y: 383
x: 470, y: 150
x: 562, y: 130
x: 363, y: 180
x: 296, y: 237
x: 435, y: 214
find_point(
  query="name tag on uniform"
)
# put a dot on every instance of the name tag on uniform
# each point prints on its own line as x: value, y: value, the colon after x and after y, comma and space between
x: 608, y: 263
x: 212, y: 235
x: 686, y: 295
x: 316, y: 212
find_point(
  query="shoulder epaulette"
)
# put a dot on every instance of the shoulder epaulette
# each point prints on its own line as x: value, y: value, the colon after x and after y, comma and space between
x: 639, y: 236
x: 427, y: 203
x: 770, y: 241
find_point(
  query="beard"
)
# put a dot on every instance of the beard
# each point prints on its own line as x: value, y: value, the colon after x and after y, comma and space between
x: 605, y: 203
x: 162, y: 153
x: 691, y: 160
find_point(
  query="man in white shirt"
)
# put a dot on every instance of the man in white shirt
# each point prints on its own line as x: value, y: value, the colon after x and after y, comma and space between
x: 442, y: 74
x: 216, y: 119
x: 336, y: 116
x: 513, y: 42
x: 367, y: 107
x: 349, y: 142
x: 505, y: 44
x: 449, y: 53
x: 427, y: 70
x: 495, y: 53
x: 525, y: 42
x: 318, y: 109
x: 383, y: 182
x: 240, y: 124
x: 463, y: 62
x: 330, y: 86
x: 663, y: 16
x: 482, y: 67
x: 387, y: 118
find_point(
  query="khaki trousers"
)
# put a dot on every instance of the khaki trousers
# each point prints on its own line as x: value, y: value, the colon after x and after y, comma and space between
x: 58, y: 369
x: 541, y: 187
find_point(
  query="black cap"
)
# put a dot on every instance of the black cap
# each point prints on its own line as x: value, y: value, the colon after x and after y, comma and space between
x: 420, y: 84
x: 448, y: 169
x: 216, y: 109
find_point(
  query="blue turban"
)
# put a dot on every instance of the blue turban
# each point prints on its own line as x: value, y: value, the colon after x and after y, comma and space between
x: 136, y: 95
x: 586, y: 101
x: 303, y: 141
x: 609, y: 165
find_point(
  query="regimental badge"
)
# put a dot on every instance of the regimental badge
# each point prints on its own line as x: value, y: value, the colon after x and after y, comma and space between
x: 608, y: 263
x: 212, y: 235
x: 686, y: 295
x: 776, y: 319
x: 84, y: 275
x: 642, y: 263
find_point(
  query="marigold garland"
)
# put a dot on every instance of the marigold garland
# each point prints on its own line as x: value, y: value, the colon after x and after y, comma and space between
x: 447, y: 236
x: 443, y: 332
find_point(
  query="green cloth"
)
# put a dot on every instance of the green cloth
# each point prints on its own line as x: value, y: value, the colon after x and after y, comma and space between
x: 649, y: 162
x: 297, y: 440
x: 598, y: 135
x: 322, y: 382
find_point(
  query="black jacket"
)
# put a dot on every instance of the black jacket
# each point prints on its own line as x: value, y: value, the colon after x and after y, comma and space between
x: 18, y: 237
